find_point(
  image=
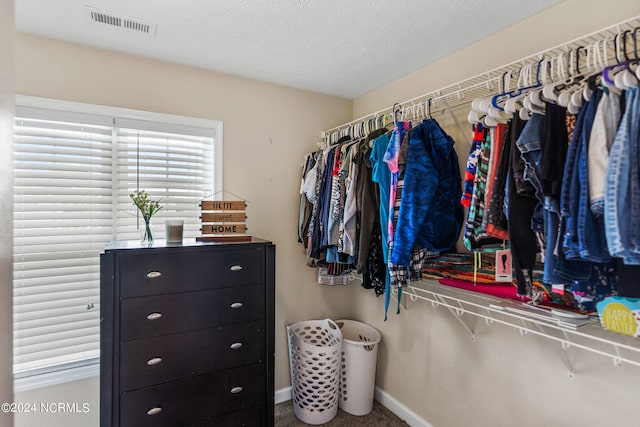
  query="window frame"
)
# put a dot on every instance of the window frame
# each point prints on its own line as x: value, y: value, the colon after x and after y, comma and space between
x: 75, y: 371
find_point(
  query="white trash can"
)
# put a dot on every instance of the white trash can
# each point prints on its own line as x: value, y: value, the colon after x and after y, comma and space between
x: 315, y: 348
x: 358, y: 366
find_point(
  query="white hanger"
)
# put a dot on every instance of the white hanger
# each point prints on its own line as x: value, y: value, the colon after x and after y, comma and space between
x: 602, y: 58
x: 524, y: 114
x: 513, y: 104
x: 549, y: 89
x: 533, y: 101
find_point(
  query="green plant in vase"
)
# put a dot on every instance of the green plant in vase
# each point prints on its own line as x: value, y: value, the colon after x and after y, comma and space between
x: 147, y: 208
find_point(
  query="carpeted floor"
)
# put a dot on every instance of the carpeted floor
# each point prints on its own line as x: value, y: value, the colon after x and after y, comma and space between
x: 378, y: 417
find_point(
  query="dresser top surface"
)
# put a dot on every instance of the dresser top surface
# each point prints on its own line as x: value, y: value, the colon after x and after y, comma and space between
x: 186, y: 243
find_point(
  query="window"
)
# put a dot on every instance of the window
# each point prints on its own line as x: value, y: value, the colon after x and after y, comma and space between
x: 74, y: 168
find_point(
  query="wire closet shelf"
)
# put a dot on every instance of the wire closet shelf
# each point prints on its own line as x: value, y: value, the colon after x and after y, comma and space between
x: 587, y: 335
x: 575, y: 57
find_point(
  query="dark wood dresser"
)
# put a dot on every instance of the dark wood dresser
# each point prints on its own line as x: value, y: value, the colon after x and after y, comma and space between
x: 187, y: 334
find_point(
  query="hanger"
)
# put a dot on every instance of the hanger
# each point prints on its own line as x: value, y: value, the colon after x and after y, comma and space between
x: 602, y: 57
x: 526, y: 92
x: 480, y: 106
x: 550, y: 89
x: 608, y: 73
x: 625, y: 78
x: 532, y: 101
x: 513, y: 104
x: 395, y: 113
x: 496, y: 113
x: 565, y: 91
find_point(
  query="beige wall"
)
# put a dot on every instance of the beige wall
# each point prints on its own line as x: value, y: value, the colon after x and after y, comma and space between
x: 427, y: 360
x: 267, y: 130
x: 7, y: 41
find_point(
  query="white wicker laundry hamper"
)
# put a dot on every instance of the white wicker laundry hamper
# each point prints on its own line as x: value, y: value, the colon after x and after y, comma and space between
x: 315, y: 348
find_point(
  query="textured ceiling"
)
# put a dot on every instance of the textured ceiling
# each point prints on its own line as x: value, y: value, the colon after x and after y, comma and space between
x: 338, y: 47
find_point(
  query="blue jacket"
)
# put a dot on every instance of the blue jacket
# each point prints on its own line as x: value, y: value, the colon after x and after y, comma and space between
x: 430, y: 214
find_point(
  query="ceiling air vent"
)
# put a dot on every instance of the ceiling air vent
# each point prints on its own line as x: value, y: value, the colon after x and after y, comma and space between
x: 116, y: 20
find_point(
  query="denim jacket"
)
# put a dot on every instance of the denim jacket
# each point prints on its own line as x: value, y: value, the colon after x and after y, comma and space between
x: 584, y: 234
x: 430, y: 214
x: 622, y: 195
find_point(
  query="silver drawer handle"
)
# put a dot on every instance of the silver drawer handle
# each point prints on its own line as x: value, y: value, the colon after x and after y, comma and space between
x: 235, y: 268
x: 154, y: 316
x: 236, y: 345
x: 154, y: 411
x: 237, y: 305
x: 154, y: 361
x: 153, y: 274
x: 236, y: 390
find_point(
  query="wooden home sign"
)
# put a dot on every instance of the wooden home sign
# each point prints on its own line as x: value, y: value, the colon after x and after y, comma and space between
x: 223, y: 220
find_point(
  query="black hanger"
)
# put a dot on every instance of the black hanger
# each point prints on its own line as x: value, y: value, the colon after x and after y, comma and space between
x: 616, y: 46
x: 635, y: 43
x: 624, y: 45
x: 578, y: 59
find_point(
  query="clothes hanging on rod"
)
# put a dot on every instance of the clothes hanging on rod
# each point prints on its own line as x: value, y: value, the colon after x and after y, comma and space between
x: 476, y: 189
x: 366, y: 177
x: 586, y: 234
x: 556, y: 191
x: 528, y: 185
x: 430, y: 216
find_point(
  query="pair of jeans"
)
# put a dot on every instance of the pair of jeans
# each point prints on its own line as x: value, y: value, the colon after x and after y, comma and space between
x: 530, y: 147
x: 551, y: 231
x: 557, y: 269
x: 584, y: 235
x: 621, y: 203
x: 592, y: 244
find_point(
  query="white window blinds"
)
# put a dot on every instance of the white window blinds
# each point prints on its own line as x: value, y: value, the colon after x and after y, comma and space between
x: 175, y: 168
x: 73, y: 174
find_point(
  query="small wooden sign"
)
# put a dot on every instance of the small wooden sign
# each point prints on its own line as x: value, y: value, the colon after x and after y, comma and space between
x: 223, y: 217
x: 223, y: 220
x: 224, y: 229
x: 223, y: 205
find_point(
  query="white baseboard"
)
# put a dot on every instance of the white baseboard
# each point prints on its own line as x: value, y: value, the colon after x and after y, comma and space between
x: 282, y: 395
x: 385, y: 399
x: 394, y: 405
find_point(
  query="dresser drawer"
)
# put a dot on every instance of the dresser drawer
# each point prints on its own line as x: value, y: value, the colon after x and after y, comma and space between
x: 149, y: 361
x: 172, y: 313
x: 251, y: 417
x: 181, y: 271
x: 193, y: 400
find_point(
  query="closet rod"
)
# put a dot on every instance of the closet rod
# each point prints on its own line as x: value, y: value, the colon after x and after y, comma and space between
x: 488, y: 82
